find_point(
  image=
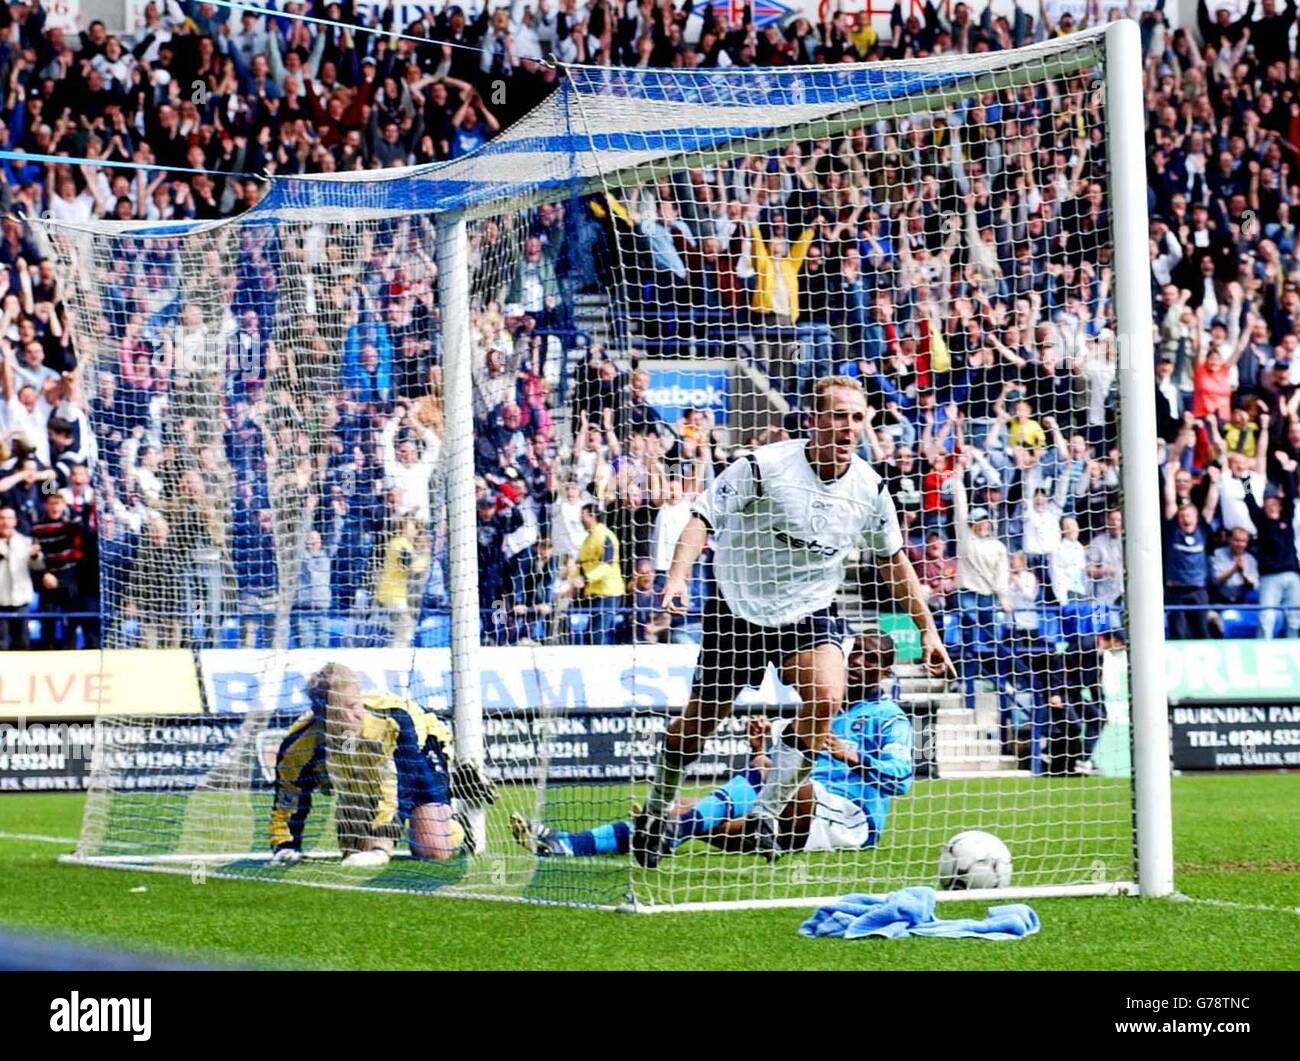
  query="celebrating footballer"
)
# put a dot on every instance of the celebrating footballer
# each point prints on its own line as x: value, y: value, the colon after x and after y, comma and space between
x: 783, y: 521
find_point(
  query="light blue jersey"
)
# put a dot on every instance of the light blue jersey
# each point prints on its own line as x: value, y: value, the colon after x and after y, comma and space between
x: 881, y: 734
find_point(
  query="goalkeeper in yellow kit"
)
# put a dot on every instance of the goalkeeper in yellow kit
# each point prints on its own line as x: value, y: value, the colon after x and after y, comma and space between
x: 387, y: 762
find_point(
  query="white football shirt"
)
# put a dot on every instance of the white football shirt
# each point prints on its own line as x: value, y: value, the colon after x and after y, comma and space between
x: 782, y: 534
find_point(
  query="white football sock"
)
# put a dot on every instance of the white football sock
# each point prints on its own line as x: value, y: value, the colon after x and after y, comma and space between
x: 790, y: 766
x: 663, y: 790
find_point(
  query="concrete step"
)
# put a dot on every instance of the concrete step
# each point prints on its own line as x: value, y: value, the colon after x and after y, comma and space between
x: 927, y: 686
x: 954, y: 769
x: 930, y: 702
x: 967, y: 741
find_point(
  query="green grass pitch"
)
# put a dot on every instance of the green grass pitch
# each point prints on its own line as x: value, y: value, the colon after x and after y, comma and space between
x: 1237, y: 841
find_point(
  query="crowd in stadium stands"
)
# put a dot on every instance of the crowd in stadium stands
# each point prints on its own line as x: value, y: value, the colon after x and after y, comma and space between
x: 958, y: 265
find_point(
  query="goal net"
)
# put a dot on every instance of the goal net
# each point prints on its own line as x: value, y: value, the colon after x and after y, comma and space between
x: 442, y: 427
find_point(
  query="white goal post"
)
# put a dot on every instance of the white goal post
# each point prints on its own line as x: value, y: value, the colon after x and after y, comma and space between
x: 1153, y: 809
x: 561, y: 694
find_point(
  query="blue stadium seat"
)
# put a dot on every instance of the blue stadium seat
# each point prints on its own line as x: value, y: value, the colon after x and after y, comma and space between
x: 434, y: 631
x: 1238, y: 623
x: 338, y: 631
x: 1050, y: 627
x: 1080, y: 619
x: 951, y: 629
x: 229, y: 636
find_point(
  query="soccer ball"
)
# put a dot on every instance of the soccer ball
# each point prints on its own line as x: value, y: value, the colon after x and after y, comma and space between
x: 974, y: 859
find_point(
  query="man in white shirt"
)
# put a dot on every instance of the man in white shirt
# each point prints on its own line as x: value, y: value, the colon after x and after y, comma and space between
x: 670, y: 521
x: 30, y: 369
x: 1233, y: 571
x: 19, y: 557
x: 1024, y: 596
x: 1069, y: 565
x: 1042, y: 532
x: 26, y: 415
x: 67, y: 207
x: 1169, y: 400
x: 409, y: 468
x: 983, y: 585
x: 1166, y: 252
x: 143, y: 478
x: 1106, y: 561
x: 1243, y: 475
x: 567, y: 532
x: 783, y: 520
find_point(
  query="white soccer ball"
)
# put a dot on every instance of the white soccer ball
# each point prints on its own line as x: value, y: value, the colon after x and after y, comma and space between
x: 974, y: 859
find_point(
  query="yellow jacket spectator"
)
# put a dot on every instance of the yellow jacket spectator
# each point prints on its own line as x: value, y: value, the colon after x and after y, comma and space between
x: 776, y: 274
x: 598, y: 557
x: 1024, y: 430
x: 401, y: 560
x: 1241, y: 434
x: 864, y: 34
x: 406, y: 554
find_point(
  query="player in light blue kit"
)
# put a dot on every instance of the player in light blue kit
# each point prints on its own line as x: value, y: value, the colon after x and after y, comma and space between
x: 843, y: 805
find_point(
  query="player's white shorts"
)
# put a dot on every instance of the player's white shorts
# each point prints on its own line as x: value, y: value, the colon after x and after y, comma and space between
x: 837, y: 824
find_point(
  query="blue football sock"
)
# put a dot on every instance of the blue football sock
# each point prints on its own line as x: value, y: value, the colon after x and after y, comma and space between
x: 612, y: 839
x: 733, y: 800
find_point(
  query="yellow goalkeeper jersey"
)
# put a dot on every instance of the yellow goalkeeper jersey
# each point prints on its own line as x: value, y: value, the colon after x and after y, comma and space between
x: 400, y: 760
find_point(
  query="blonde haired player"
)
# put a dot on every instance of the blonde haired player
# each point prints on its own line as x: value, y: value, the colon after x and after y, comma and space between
x: 387, y: 762
x: 783, y: 521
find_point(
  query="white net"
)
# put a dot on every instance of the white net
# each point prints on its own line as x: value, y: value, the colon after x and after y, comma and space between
x: 660, y: 266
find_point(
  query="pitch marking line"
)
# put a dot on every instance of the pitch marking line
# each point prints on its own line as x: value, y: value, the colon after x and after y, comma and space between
x: 39, y: 838
x: 1232, y: 904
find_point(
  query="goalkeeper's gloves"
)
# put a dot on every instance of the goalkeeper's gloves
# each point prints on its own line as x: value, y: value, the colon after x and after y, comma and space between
x: 371, y: 859
x: 286, y: 856
x: 470, y: 786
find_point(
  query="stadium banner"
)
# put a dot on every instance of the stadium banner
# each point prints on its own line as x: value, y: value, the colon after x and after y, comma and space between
x: 1235, y: 735
x: 73, y: 684
x: 46, y: 756
x: 369, y: 12
x: 591, y: 746
x: 164, y: 754
x: 1233, y: 670
x: 558, y: 678
x: 179, y: 754
x: 905, y: 635
x: 675, y: 390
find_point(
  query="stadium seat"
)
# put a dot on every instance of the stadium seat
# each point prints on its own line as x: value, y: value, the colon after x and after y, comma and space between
x: 229, y: 637
x: 1080, y: 619
x: 579, y: 624
x: 1050, y: 627
x: 1238, y: 623
x: 434, y: 631
x: 951, y: 629
x: 338, y: 631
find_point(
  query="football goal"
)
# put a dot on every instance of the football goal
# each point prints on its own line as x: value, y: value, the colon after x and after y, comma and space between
x: 396, y: 467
